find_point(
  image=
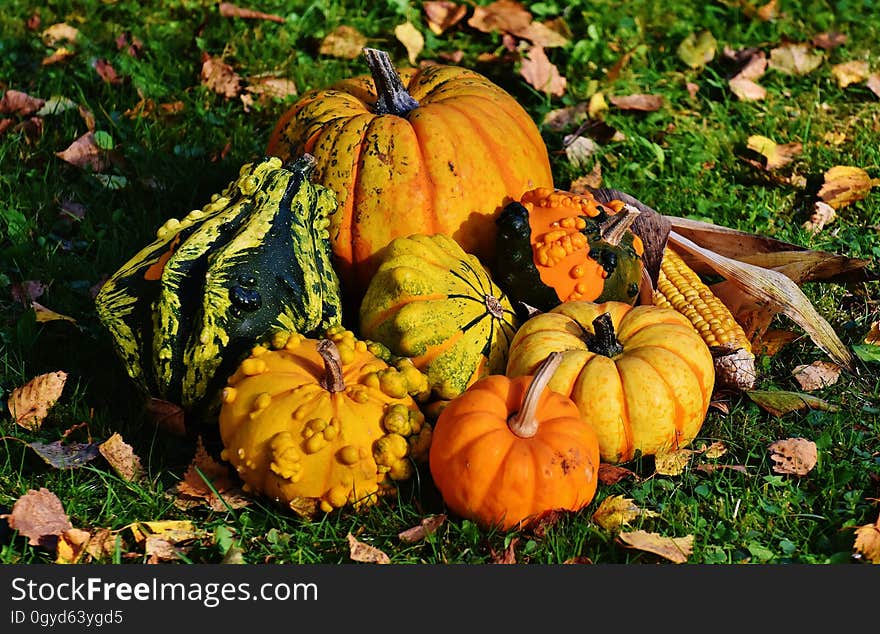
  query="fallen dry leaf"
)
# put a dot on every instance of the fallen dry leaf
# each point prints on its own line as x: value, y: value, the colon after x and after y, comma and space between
x: 782, y: 402
x: 443, y: 14
x: 229, y: 10
x: 269, y: 87
x: 192, y: 490
x: 20, y: 103
x: 712, y: 468
x: 746, y: 89
x: 427, y: 526
x: 675, y: 549
x: 642, y: 102
x: 867, y: 542
x: 30, y: 403
x: 159, y: 548
x: 359, y: 551
x: 503, y: 15
x: 544, y: 35
x: 579, y: 150
x: 344, y: 41
x: 873, y: 83
x: 43, y: 314
x: 873, y: 336
x: 823, y: 214
x: 508, y: 556
x: 65, y: 455
x: 106, y: 72
x: 71, y: 546
x: 57, y: 33
x: 612, y: 474
x: 616, y: 511
x: 795, y: 456
x: 588, y: 182
x: 768, y: 11
x: 220, y: 77
x: 715, y: 450
x: 829, y: 40
x: 27, y: 291
x: 60, y: 55
x: 102, y: 544
x: 777, y: 155
x: 852, y: 72
x: 167, y: 416
x: 173, y: 531
x: 85, y: 153
x: 672, y: 463
x: 795, y: 58
x: 772, y: 341
x: 541, y: 73
x: 816, y: 375
x: 39, y: 516
x: 560, y: 119
x: 411, y: 38
x: 845, y: 184
x: 121, y: 457
x: 697, y: 49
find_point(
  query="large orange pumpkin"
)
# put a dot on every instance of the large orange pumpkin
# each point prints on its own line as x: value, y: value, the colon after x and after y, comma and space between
x: 439, y: 149
x: 642, y: 376
x: 506, y: 451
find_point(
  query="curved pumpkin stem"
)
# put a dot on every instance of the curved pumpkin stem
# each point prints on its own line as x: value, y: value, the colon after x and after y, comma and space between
x: 332, y: 379
x: 613, y: 229
x: 393, y: 97
x: 604, y: 341
x: 525, y: 422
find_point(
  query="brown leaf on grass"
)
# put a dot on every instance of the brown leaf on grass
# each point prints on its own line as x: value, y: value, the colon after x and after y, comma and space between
x: 57, y: 33
x: 88, y: 118
x: 867, y: 542
x: 34, y: 22
x: 712, y: 468
x: 873, y: 83
x: 166, y: 415
x: 44, y: 314
x: 852, y: 72
x: 823, y: 214
x: 713, y: 451
x: 816, y: 375
x: 411, y: 38
x: 5, y: 124
x: 612, y: 474
x: 544, y: 35
x: 122, y: 458
x: 508, y: 556
x: 344, y: 41
x: 579, y: 150
x: 443, y: 14
x: 873, y: 336
x: 71, y: 546
x: 220, y: 77
x: 746, y: 89
x: 192, y: 490
x: 27, y: 291
x: 60, y: 55
x: 106, y: 72
x: 30, y: 403
x: 427, y: 526
x: 85, y: 153
x: 768, y: 11
x: 672, y: 463
x: 268, y: 87
x: 133, y: 46
x: 560, y: 119
x: 829, y: 40
x: 102, y: 544
x: 795, y: 58
x: 229, y: 10
x: 642, y: 102
x: 588, y: 182
x: 779, y: 402
x: 20, y: 103
x: 772, y: 341
x: 541, y: 73
x: 159, y: 549
x: 502, y: 15
x: 796, y: 456
x: 359, y: 551
x: 39, y: 516
x: 844, y: 184
x: 777, y: 154
x: 616, y: 511
x: 675, y: 549
x: 697, y: 49
x: 65, y: 455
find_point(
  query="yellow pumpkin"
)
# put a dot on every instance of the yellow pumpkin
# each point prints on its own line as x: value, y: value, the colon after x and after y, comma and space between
x: 641, y: 376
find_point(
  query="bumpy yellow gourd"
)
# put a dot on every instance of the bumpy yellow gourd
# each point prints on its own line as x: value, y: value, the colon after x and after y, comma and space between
x: 322, y: 424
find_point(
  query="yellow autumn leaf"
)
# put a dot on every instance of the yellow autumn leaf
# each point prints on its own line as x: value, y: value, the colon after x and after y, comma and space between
x: 776, y: 154
x: 845, y: 184
x: 411, y: 38
x: 616, y: 511
x: 169, y: 530
x: 873, y: 336
x: 853, y: 72
x: 44, y: 314
x: 715, y: 450
x: 675, y: 549
x: 30, y: 403
x: 672, y: 463
x: 71, y: 546
x: 867, y: 543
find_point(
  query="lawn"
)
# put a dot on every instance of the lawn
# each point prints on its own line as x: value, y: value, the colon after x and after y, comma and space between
x: 178, y: 97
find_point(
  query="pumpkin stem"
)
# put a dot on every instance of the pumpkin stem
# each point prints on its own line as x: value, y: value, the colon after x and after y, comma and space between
x: 332, y: 379
x: 613, y: 229
x: 393, y: 97
x: 525, y: 422
x: 604, y: 341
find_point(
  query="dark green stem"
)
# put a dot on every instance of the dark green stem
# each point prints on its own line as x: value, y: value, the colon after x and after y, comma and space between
x: 393, y: 97
x: 604, y: 341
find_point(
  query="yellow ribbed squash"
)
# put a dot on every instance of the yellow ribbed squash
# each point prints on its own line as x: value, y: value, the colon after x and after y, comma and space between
x: 434, y: 303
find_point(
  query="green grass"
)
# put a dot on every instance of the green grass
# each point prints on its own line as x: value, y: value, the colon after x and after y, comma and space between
x: 681, y: 160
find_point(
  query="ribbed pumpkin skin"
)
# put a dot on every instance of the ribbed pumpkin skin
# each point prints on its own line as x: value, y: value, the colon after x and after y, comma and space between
x: 446, y: 167
x: 651, y: 398
x: 488, y: 474
x: 434, y: 303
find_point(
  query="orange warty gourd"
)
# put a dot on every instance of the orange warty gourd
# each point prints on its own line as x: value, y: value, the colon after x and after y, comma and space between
x: 506, y: 451
x: 438, y: 149
x: 641, y: 376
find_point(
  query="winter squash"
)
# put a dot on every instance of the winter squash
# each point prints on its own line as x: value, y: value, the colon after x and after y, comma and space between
x: 508, y: 450
x: 321, y: 424
x: 641, y: 376
x: 438, y: 149
x: 556, y: 246
x: 434, y: 303
x: 185, y: 310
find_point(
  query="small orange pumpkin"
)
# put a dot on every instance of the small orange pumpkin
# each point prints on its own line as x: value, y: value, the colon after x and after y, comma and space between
x: 507, y: 450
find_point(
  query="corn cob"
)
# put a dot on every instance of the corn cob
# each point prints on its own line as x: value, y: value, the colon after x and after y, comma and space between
x: 680, y: 288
